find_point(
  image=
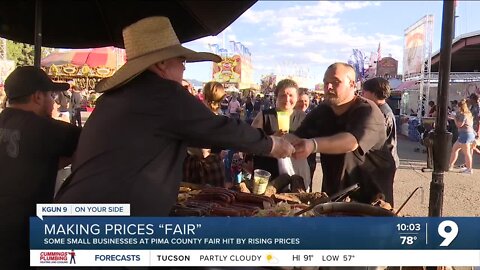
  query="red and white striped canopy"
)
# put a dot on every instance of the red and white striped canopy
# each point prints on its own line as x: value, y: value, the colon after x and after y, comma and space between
x: 110, y: 57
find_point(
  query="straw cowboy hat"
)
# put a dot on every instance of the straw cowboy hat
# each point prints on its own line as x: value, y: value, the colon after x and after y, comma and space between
x: 147, y: 42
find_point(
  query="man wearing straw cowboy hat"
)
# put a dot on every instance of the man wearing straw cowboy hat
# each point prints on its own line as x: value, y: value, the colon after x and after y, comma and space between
x: 132, y: 147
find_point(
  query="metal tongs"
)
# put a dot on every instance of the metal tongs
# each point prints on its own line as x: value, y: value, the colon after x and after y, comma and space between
x: 342, y: 194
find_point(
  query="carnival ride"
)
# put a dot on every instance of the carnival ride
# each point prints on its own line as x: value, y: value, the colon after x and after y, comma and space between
x: 85, y: 67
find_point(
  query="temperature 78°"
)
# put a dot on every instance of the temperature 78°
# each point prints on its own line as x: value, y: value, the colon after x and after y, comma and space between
x: 408, y: 239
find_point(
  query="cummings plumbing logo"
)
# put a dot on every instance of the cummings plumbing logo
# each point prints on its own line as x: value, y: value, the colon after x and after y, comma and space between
x: 58, y: 257
x: 54, y: 257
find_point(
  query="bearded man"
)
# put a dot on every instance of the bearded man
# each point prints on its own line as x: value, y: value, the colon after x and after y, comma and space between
x: 349, y: 133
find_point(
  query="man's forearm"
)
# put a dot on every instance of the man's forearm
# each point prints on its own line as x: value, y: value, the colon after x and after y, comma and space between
x: 337, y: 144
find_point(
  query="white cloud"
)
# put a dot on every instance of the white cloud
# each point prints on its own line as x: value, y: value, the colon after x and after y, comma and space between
x: 208, y: 40
x: 318, y: 58
x: 232, y: 37
x: 290, y: 55
x: 318, y: 33
x: 264, y: 57
x: 306, y: 37
x: 261, y: 67
x: 251, y: 16
x: 357, y: 5
x: 320, y: 9
x: 324, y: 9
x: 315, y: 23
x: 248, y: 43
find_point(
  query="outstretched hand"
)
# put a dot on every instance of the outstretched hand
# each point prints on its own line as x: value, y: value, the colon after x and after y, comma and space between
x: 281, y: 148
x: 303, y: 148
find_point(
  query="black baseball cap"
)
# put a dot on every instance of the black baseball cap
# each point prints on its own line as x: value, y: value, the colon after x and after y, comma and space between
x: 24, y: 81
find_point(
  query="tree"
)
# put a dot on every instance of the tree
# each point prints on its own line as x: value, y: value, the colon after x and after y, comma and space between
x: 268, y: 83
x: 23, y: 54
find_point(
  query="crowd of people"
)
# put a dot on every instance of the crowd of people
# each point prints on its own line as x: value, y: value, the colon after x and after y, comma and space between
x: 201, y: 167
x: 463, y: 123
x: 246, y: 107
x: 151, y: 129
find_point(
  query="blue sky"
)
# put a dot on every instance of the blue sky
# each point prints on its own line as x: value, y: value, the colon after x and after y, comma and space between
x: 291, y: 36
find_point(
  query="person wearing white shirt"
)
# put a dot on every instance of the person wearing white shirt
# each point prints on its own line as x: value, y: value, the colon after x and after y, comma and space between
x: 234, y: 108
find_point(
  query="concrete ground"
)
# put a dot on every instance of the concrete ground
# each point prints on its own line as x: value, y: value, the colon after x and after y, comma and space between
x: 461, y: 192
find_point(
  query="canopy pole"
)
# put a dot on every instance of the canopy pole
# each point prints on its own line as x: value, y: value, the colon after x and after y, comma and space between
x: 443, y: 139
x: 38, y: 33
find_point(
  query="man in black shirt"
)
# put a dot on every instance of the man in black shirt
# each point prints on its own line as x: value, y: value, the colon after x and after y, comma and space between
x: 133, y: 146
x: 378, y: 90
x: 33, y: 147
x: 349, y: 132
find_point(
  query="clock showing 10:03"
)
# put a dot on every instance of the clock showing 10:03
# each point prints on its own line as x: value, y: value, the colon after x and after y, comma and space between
x: 409, y: 227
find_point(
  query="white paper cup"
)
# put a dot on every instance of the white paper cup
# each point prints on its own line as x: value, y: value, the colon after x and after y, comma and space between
x: 260, y: 181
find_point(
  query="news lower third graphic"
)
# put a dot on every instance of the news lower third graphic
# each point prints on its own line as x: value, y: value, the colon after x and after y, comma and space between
x: 105, y: 235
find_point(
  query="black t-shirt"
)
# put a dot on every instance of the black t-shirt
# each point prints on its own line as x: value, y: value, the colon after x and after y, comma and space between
x: 30, y: 148
x: 369, y: 165
x: 391, y: 142
x: 133, y: 146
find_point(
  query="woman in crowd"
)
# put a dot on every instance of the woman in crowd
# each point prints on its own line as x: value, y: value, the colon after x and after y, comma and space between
x: 286, y: 96
x: 466, y: 136
x: 303, y: 102
x: 234, y: 108
x: 205, y: 166
x: 433, y: 109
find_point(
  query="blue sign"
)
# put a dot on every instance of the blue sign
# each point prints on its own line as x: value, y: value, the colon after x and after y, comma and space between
x: 279, y: 233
